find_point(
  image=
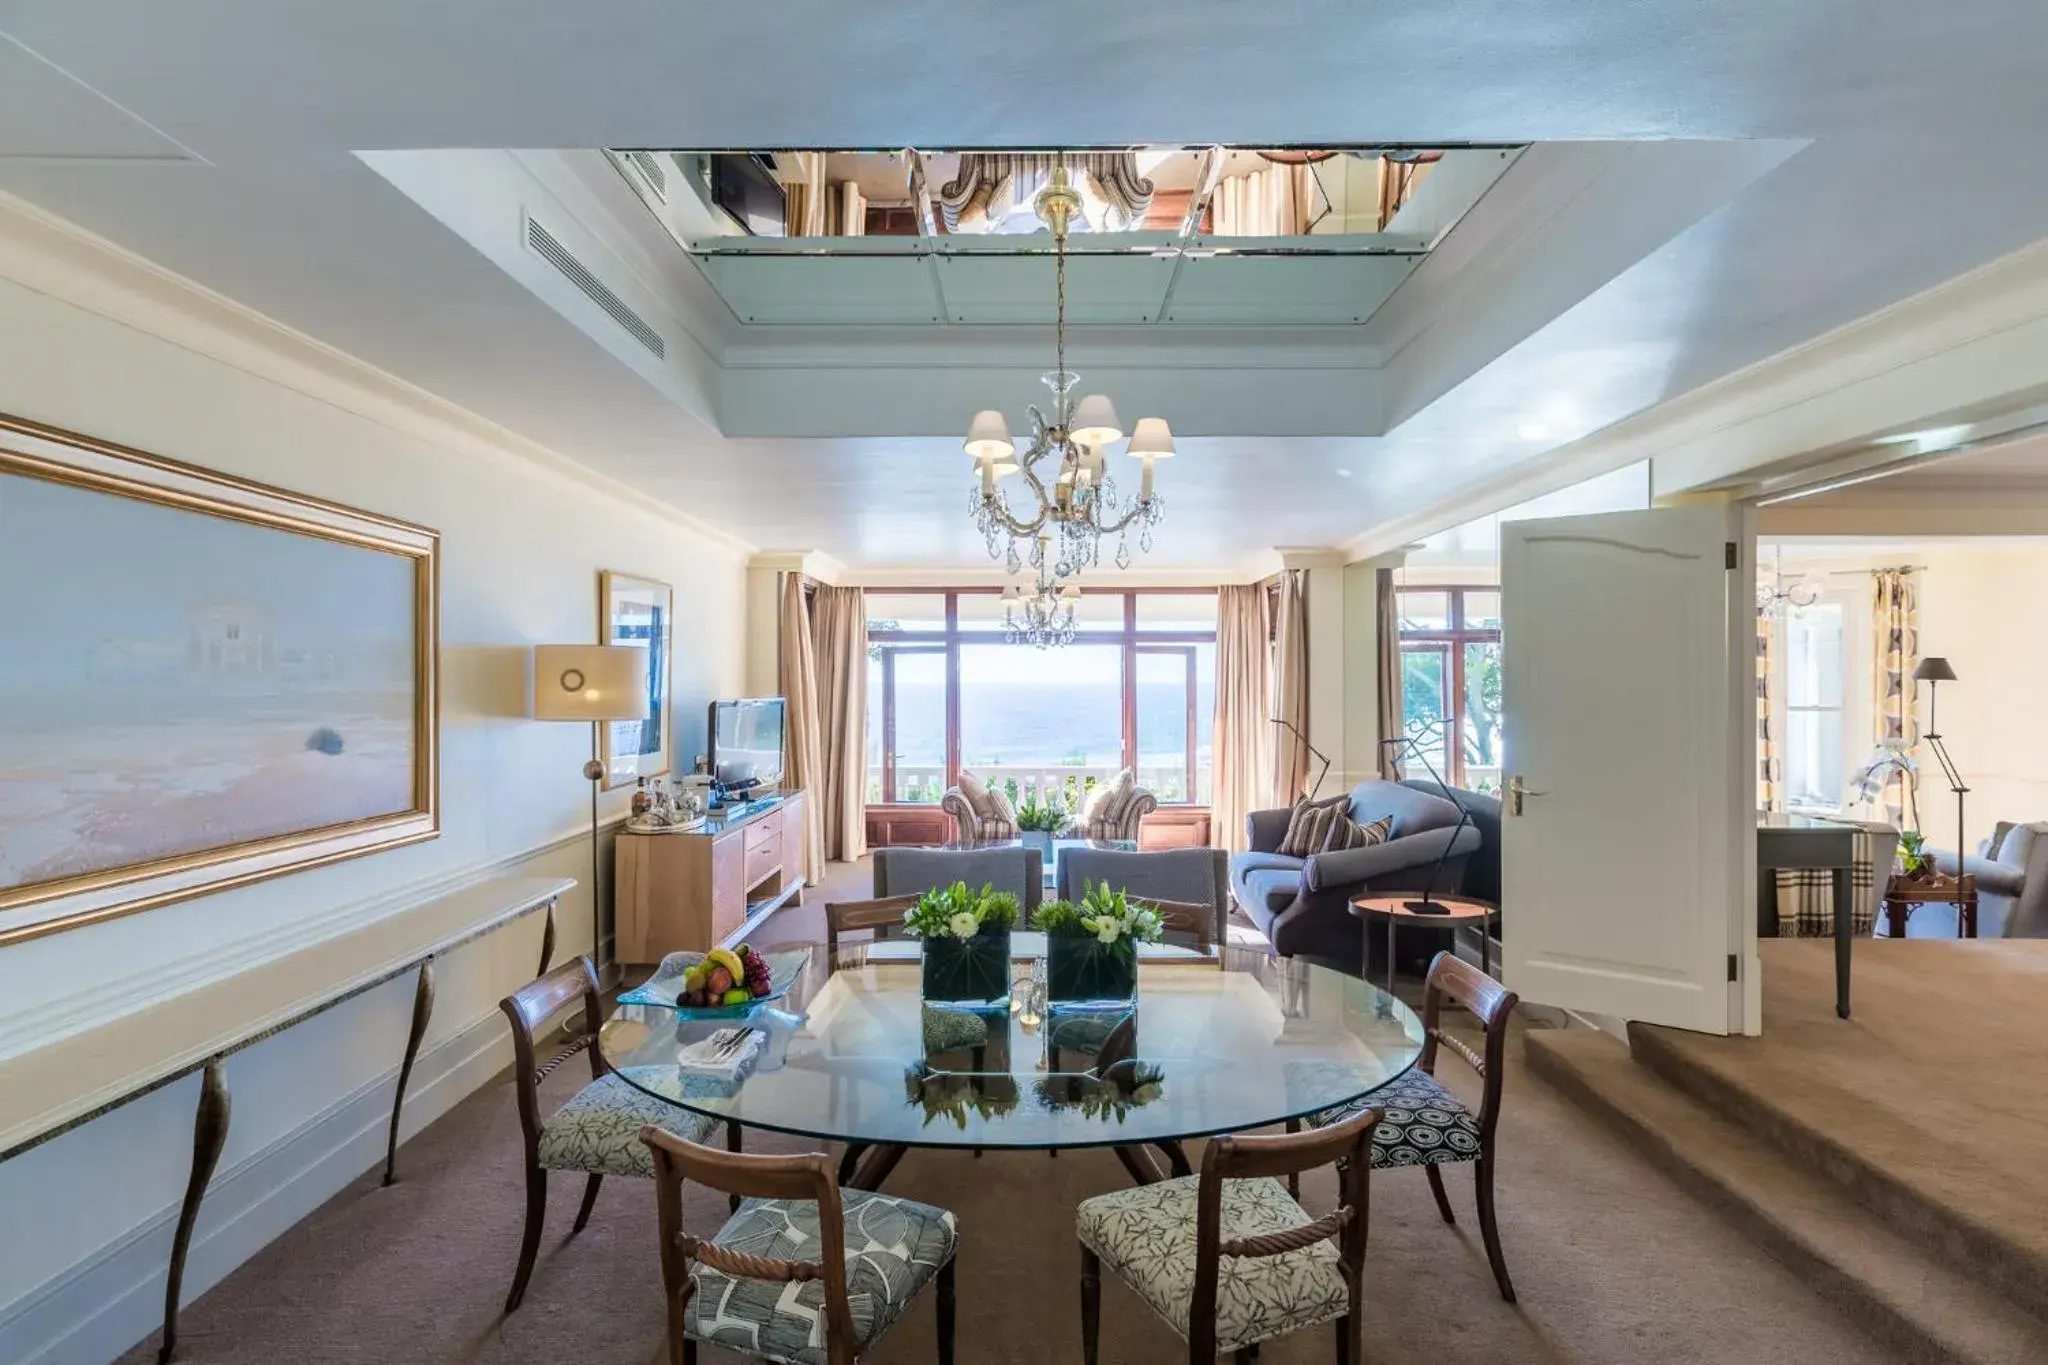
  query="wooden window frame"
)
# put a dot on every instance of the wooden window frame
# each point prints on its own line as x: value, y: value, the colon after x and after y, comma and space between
x: 951, y: 637
x: 1453, y: 639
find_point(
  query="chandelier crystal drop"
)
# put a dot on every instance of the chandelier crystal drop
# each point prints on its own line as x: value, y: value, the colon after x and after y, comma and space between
x: 1040, y: 612
x: 1061, y: 529
x: 1778, y: 596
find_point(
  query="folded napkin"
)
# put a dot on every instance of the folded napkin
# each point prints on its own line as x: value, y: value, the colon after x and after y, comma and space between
x: 729, y: 1054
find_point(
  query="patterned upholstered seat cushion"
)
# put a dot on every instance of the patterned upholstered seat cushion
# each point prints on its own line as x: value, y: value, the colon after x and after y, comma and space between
x: 598, y: 1130
x: 1147, y: 1236
x: 1421, y: 1124
x: 893, y: 1248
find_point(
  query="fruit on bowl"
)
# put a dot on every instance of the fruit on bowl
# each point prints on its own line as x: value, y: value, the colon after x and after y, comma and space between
x: 725, y: 977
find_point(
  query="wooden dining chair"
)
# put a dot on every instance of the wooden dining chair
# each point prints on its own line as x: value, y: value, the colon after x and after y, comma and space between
x: 855, y: 1259
x: 880, y: 916
x: 1426, y: 1125
x: 1187, y: 924
x: 1256, y: 1266
x: 597, y: 1131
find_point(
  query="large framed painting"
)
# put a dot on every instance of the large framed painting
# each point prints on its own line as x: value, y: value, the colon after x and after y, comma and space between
x: 203, y: 681
x: 637, y: 611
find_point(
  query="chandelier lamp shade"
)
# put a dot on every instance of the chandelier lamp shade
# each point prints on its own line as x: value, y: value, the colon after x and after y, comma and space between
x: 1058, y: 525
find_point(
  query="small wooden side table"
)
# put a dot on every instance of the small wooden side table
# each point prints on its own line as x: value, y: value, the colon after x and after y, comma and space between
x: 1901, y: 895
x: 1459, y: 910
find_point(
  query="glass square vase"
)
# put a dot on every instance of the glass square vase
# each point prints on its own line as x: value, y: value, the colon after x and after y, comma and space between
x: 1079, y: 968
x: 968, y: 971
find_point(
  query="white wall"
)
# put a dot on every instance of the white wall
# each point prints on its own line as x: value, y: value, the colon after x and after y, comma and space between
x: 1976, y: 610
x: 103, y: 345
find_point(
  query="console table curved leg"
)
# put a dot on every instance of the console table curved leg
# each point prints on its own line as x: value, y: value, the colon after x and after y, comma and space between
x: 547, y: 941
x: 422, y: 1010
x: 209, y: 1135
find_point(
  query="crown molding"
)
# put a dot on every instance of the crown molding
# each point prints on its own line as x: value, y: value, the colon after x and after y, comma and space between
x: 811, y: 563
x: 1310, y: 556
x: 51, y: 256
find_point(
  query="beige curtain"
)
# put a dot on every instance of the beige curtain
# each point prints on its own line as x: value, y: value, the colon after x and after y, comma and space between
x: 806, y: 206
x: 1895, y: 636
x: 1766, y: 745
x: 1387, y: 619
x: 797, y: 673
x: 1244, y: 676
x: 1275, y: 201
x: 853, y: 210
x: 1290, y: 687
x: 839, y: 636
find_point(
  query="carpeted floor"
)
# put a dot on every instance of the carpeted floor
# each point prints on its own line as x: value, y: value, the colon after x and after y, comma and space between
x: 1614, y: 1265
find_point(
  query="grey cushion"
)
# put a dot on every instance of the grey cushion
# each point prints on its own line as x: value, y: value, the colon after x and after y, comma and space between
x: 1192, y: 876
x: 893, y: 1249
x: 1271, y: 889
x: 1413, y: 811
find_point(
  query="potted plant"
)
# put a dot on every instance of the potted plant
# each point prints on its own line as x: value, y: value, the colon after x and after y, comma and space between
x: 1916, y: 864
x: 1038, y: 821
x: 1092, y: 945
x: 966, y: 937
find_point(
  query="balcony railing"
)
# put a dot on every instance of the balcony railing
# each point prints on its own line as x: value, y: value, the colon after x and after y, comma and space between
x: 924, y: 785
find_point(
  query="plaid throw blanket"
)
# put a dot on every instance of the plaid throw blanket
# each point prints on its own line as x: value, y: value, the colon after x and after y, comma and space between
x: 1806, y: 897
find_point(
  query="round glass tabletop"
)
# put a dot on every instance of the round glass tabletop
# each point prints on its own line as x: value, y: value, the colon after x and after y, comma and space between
x: 854, y: 1054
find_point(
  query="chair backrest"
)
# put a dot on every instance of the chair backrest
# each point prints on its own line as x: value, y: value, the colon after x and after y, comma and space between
x: 883, y: 917
x: 1347, y: 1144
x: 804, y: 1177
x: 1183, y: 876
x: 914, y: 871
x: 1453, y: 978
x: 1189, y: 926
x: 533, y: 1005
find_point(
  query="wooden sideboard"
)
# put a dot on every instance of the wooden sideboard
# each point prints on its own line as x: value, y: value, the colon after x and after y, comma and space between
x: 709, y: 886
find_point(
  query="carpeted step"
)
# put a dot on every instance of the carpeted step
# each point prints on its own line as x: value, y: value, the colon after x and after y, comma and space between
x: 1850, y: 1155
x: 1929, y: 1308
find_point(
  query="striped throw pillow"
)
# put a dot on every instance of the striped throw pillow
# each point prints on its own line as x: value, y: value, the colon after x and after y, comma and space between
x: 1350, y: 834
x: 1310, y: 825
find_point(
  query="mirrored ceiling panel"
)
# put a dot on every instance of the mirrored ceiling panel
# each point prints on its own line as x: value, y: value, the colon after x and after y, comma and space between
x: 1190, y: 235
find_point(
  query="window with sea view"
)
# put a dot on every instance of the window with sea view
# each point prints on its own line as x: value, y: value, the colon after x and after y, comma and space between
x: 945, y: 692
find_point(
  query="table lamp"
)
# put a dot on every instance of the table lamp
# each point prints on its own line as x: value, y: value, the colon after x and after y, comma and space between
x: 592, y: 684
x: 1934, y: 671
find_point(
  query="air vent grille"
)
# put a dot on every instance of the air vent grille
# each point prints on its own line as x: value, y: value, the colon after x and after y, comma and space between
x: 545, y: 245
x: 651, y: 171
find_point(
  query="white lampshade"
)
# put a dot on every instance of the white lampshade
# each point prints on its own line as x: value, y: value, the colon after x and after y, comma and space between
x: 988, y: 438
x: 589, y: 682
x: 1070, y: 593
x: 1151, y: 437
x: 1094, y: 422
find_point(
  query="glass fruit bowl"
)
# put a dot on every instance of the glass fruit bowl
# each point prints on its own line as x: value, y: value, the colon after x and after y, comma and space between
x: 665, y: 987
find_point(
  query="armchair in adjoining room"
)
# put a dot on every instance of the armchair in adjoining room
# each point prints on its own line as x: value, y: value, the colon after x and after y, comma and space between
x: 2011, y: 868
x: 1303, y: 904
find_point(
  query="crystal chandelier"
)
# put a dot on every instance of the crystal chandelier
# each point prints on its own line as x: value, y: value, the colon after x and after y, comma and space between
x: 1043, y: 616
x: 1062, y: 529
x: 1774, y: 597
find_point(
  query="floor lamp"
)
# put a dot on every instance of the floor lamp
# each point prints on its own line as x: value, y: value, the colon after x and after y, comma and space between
x: 1934, y: 670
x: 592, y: 684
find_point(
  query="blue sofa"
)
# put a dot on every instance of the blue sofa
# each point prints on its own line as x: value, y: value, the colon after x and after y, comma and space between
x: 1302, y: 905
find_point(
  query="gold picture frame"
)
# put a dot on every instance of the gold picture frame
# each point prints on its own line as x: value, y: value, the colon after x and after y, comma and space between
x: 632, y: 610
x: 208, y: 682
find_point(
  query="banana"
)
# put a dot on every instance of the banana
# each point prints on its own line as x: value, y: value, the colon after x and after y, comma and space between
x: 728, y: 961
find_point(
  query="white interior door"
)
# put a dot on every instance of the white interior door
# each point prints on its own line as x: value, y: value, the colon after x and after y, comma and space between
x: 1622, y: 872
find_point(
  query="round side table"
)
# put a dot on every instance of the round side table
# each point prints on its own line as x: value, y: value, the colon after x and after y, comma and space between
x: 1457, y: 910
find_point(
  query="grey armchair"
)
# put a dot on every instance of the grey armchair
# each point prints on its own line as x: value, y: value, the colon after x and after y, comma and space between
x: 2011, y: 868
x: 1190, y: 876
x: 913, y: 871
x: 1303, y: 905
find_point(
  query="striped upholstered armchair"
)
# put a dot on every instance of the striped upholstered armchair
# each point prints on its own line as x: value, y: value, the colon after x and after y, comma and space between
x: 980, y: 812
x: 1113, y: 810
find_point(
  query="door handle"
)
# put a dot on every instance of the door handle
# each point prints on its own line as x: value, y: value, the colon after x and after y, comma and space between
x: 1517, y: 790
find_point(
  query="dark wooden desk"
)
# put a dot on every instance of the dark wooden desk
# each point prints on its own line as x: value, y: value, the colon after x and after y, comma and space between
x: 1797, y: 841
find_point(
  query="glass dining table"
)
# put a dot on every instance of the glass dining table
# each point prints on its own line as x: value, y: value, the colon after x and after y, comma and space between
x: 1223, y: 1042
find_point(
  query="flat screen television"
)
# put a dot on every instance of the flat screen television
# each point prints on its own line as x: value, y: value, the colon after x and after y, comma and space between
x: 746, y: 744
x: 749, y: 191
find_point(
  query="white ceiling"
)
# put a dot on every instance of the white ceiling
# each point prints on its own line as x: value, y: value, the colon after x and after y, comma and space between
x: 219, y: 139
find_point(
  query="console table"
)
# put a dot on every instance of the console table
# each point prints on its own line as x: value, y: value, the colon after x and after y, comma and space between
x: 51, y: 1090
x: 1796, y: 841
x: 712, y: 885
